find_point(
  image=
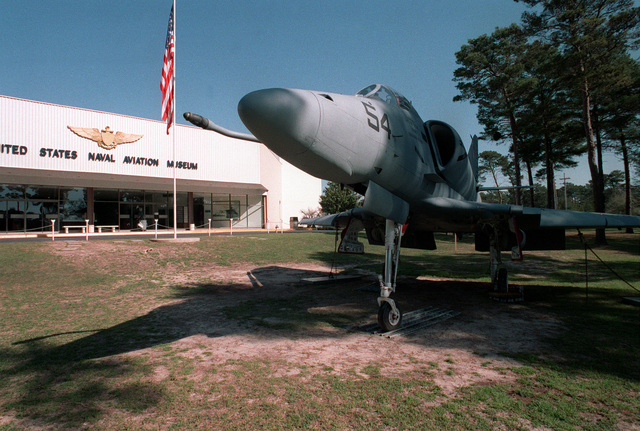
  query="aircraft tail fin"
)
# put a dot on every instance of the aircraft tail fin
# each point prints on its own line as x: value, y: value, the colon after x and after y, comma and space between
x: 473, y: 156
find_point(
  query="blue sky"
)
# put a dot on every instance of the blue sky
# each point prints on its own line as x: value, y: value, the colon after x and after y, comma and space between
x: 108, y: 56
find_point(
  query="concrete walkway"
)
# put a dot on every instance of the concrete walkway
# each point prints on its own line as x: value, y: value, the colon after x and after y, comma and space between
x: 164, y: 233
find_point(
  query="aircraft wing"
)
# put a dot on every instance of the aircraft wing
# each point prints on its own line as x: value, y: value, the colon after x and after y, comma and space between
x: 337, y: 220
x: 562, y: 218
x: 327, y: 220
x: 478, y: 212
x: 446, y: 214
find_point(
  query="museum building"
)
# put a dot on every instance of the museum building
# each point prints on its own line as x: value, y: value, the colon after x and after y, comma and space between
x: 71, y: 165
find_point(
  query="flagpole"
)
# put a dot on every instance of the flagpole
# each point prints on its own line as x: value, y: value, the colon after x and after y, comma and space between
x: 167, y: 85
x: 175, y: 127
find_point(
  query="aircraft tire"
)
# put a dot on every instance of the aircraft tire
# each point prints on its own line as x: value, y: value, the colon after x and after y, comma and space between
x: 387, y: 320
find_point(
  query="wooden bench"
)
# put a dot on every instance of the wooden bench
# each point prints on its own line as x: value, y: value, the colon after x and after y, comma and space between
x: 112, y: 227
x: 81, y: 227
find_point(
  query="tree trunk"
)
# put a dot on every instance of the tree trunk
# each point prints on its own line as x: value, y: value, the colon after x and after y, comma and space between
x: 596, y: 130
x: 548, y: 163
x: 628, y: 204
x: 532, y: 201
x: 495, y: 181
x: 516, y: 157
x: 551, y: 186
x: 596, y: 178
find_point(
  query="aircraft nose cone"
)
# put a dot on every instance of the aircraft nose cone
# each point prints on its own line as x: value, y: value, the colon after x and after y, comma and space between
x: 285, y: 120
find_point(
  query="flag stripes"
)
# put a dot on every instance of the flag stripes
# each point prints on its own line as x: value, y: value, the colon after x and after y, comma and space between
x: 166, y: 84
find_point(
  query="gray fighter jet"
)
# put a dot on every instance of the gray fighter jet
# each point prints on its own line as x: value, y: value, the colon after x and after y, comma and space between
x: 416, y: 178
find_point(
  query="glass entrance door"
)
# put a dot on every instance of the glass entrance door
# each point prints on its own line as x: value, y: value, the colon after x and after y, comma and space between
x: 15, y: 215
x: 3, y: 216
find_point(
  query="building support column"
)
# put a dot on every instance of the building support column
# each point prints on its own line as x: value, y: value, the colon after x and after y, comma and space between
x: 90, y: 211
x: 265, y: 212
x: 190, y: 206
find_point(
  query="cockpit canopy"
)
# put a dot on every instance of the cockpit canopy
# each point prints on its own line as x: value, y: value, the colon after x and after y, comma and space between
x: 385, y: 94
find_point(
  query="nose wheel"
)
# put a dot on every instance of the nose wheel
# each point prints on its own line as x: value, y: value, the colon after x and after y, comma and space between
x: 389, y: 316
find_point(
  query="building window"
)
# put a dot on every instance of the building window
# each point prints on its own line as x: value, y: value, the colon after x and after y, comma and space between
x: 8, y: 191
x: 33, y: 192
x: 182, y: 210
x: 131, y: 196
x: 156, y: 208
x: 73, y: 204
x: 32, y: 208
x: 105, y: 195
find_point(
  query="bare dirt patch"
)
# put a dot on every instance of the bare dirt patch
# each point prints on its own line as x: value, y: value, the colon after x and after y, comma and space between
x: 470, y: 349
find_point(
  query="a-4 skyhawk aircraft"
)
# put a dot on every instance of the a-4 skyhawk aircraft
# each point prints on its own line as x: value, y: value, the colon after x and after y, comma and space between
x: 416, y: 178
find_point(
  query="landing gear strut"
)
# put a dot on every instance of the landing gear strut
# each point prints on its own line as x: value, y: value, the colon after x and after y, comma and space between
x: 502, y: 292
x: 389, y: 315
x: 499, y: 277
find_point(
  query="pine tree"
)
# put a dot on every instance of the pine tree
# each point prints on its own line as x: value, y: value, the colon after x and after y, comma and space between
x: 619, y: 107
x: 547, y: 115
x: 590, y: 34
x: 520, y: 92
x: 491, y: 75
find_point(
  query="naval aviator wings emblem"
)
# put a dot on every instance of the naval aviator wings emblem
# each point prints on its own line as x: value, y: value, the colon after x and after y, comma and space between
x: 106, y: 138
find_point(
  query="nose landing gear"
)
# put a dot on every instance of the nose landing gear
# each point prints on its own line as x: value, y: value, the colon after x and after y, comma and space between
x: 389, y: 315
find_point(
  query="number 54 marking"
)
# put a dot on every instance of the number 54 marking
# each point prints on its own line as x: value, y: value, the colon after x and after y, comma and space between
x: 374, y: 122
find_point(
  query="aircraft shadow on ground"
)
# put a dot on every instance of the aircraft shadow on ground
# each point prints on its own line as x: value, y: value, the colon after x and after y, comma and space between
x: 220, y: 310
x: 69, y: 383
x: 199, y: 310
x: 275, y: 309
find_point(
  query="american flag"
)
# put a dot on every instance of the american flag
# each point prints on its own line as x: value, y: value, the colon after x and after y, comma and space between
x: 166, y: 85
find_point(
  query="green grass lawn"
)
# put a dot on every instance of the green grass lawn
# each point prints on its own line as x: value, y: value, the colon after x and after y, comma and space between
x: 92, y: 341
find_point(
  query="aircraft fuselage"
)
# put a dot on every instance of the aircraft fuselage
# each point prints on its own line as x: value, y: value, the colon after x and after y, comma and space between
x: 374, y: 136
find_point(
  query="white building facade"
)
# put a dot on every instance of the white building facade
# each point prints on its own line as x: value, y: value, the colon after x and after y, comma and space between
x: 50, y: 172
